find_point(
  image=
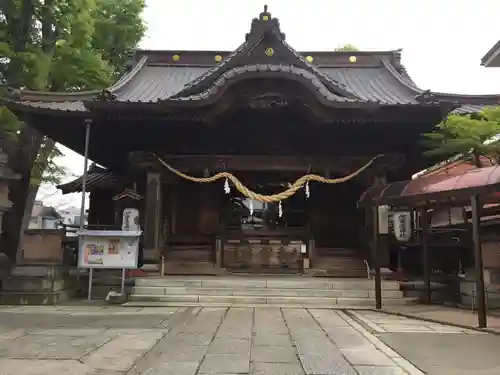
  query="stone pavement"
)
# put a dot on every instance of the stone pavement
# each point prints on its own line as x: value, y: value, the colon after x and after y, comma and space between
x: 91, y: 340
x: 447, y: 315
x: 435, y: 348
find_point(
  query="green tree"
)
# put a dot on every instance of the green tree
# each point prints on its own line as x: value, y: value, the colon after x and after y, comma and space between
x: 472, y: 135
x: 346, y: 48
x: 55, y: 45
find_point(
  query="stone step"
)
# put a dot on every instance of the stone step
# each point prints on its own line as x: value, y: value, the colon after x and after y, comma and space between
x: 268, y: 282
x: 40, y: 271
x: 37, y: 284
x: 24, y: 298
x: 266, y: 300
x: 287, y: 292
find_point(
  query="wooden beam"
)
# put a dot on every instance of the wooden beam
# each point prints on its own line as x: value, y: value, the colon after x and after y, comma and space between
x: 424, y: 241
x: 376, y: 259
x: 478, y: 262
x: 305, y: 163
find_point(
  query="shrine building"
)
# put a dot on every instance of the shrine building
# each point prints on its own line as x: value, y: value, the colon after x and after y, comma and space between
x: 268, y: 115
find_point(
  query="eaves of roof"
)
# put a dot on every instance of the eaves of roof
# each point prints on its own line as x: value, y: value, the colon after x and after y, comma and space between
x: 492, y: 57
x: 100, y: 179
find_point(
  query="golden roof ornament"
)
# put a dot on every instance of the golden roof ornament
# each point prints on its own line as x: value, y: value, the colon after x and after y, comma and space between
x: 218, y: 58
x: 269, y: 52
x: 309, y: 59
x: 352, y: 59
x: 176, y: 58
x: 265, y: 15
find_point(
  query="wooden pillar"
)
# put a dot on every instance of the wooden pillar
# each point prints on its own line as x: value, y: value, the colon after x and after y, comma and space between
x: 311, y: 247
x: 219, y: 249
x: 153, y: 218
x: 478, y: 262
x: 376, y: 259
x: 424, y: 241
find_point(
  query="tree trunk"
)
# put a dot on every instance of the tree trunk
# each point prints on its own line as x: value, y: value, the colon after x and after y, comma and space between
x: 20, y: 161
x: 23, y: 155
x: 476, y: 159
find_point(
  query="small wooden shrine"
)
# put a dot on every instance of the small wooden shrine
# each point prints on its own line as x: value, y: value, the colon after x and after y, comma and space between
x: 268, y: 115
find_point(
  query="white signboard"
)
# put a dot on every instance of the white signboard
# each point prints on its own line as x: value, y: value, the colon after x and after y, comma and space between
x: 108, y: 249
x: 402, y: 226
x: 383, y: 219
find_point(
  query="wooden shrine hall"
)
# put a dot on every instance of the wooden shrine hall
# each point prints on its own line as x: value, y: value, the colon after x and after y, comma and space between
x: 264, y: 115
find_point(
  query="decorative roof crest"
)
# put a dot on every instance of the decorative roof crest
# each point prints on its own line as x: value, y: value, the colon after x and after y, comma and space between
x: 264, y: 25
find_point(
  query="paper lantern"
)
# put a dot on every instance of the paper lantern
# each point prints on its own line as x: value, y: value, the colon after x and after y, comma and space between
x: 402, y: 226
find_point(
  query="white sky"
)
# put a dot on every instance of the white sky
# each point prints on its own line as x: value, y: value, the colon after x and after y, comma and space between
x: 442, y: 40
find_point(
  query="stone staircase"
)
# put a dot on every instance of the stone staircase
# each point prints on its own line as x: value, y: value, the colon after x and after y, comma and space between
x: 283, y: 291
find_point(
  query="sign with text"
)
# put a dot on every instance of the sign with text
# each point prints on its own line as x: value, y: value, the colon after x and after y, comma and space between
x: 108, y: 249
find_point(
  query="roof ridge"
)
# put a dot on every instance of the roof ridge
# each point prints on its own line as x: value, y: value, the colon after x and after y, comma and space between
x: 238, y: 71
x: 209, y: 72
x: 400, y: 77
x: 127, y: 77
x: 319, y: 72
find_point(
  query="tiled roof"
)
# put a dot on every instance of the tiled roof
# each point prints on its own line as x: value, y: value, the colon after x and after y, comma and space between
x: 466, y: 103
x: 377, y: 77
x: 97, y: 177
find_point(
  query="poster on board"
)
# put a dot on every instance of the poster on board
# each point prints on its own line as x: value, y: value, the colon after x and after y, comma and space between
x: 108, y: 249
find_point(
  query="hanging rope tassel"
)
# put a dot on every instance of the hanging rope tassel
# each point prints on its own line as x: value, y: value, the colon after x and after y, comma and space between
x: 227, y: 188
x: 280, y: 210
x: 308, y: 192
x: 297, y: 185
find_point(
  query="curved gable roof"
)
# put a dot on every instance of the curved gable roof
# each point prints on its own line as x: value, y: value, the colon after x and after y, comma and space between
x: 372, y: 77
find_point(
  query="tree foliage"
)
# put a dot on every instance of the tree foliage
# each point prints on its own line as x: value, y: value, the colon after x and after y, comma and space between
x: 347, y: 48
x: 475, y: 135
x: 64, y: 45
x: 58, y: 45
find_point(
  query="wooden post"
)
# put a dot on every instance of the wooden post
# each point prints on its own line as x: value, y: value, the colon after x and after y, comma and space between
x: 478, y: 262
x: 424, y: 241
x: 219, y: 248
x: 376, y: 259
x: 311, y: 247
x: 152, y: 230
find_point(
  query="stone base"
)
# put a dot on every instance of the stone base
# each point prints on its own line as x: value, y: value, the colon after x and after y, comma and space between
x: 103, y: 282
x: 38, y: 285
x: 40, y: 298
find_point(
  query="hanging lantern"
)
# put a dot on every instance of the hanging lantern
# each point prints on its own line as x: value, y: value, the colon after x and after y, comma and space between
x: 280, y: 210
x: 402, y: 226
x: 308, y: 192
x: 227, y: 188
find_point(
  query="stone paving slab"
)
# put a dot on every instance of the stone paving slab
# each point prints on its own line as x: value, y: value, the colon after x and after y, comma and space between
x: 381, y: 323
x: 277, y: 369
x: 220, y: 340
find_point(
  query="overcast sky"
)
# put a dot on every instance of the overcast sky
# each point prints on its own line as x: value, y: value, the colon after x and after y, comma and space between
x: 442, y: 40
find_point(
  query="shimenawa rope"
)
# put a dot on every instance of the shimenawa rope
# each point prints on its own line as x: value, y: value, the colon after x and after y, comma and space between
x: 268, y: 198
